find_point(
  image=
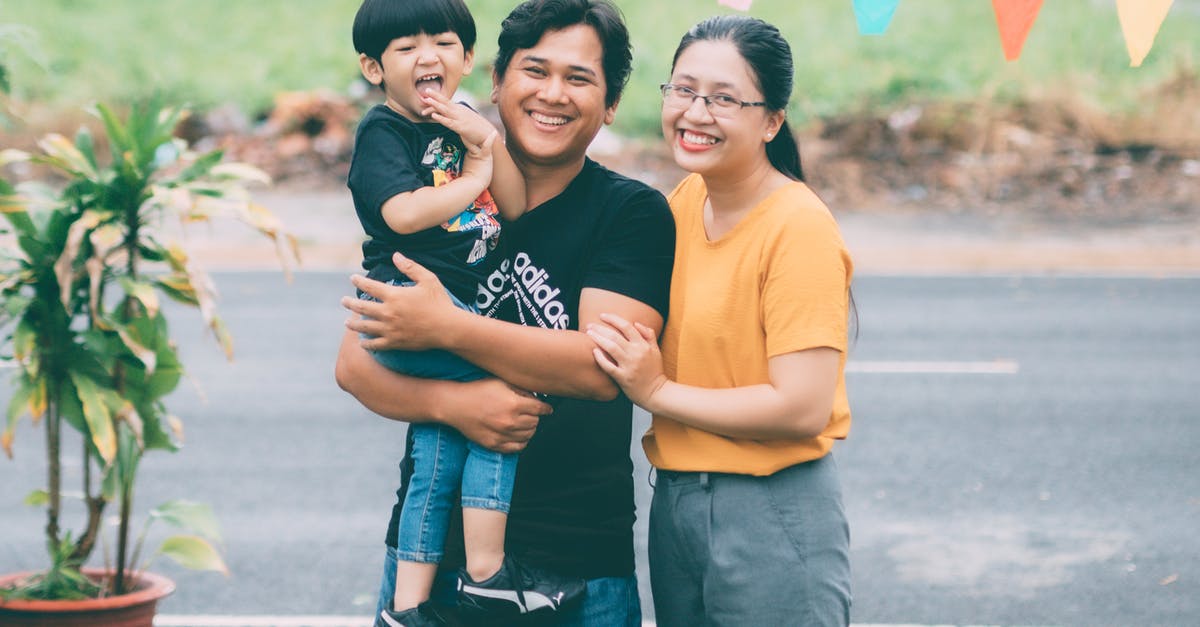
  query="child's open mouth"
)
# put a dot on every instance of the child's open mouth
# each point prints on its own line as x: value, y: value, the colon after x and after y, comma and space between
x: 429, y: 81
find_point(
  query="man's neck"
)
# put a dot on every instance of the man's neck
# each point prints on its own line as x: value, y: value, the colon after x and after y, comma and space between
x: 543, y: 182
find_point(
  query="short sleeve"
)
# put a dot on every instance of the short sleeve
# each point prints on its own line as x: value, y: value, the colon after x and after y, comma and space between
x: 806, y: 279
x: 382, y: 165
x: 638, y: 252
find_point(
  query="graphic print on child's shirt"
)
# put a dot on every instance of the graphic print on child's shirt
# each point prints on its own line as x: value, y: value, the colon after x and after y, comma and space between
x: 445, y: 161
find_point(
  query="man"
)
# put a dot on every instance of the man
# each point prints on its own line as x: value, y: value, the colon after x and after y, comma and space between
x: 592, y: 242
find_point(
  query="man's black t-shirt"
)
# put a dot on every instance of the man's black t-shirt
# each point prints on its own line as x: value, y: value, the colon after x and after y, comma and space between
x: 572, y: 508
x: 393, y: 155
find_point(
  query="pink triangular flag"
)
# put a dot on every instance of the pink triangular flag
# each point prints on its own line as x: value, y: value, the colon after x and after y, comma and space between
x: 740, y: 5
x: 1015, y: 18
x: 1140, y: 21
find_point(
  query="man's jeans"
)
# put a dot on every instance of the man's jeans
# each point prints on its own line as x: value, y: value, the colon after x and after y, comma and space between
x: 610, y: 601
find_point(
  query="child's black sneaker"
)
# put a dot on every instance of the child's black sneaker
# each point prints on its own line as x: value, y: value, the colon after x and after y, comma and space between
x: 420, y: 616
x: 518, y: 589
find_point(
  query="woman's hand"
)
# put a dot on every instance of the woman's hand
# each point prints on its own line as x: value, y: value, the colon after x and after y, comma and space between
x: 406, y: 317
x: 628, y: 352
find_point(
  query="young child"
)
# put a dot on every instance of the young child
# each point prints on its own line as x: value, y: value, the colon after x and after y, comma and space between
x: 429, y: 177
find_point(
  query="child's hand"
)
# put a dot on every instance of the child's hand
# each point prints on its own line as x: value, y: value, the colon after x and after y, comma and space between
x: 470, y: 126
x: 628, y: 352
x: 478, y: 162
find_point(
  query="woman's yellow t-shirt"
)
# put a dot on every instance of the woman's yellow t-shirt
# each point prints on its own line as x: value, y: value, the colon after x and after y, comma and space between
x: 778, y: 282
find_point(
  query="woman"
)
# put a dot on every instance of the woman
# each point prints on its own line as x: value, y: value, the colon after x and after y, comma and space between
x: 748, y: 395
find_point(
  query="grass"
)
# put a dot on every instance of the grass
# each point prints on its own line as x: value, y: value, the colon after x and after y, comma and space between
x: 209, y: 52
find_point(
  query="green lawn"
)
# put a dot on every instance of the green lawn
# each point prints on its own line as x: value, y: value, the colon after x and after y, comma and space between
x: 211, y: 51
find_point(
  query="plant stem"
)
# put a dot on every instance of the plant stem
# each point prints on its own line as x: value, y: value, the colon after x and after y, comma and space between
x: 54, y: 480
x: 132, y: 235
x: 123, y: 539
x: 95, y: 510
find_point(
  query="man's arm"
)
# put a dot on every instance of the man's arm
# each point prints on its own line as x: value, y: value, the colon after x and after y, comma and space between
x: 488, y: 411
x: 551, y: 361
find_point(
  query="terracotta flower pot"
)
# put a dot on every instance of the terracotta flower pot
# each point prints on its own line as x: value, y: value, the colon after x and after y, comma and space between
x: 135, y: 609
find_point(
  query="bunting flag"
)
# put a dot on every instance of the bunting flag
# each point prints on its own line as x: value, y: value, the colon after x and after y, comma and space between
x: 740, y: 5
x: 1140, y: 21
x: 1015, y: 18
x: 874, y: 15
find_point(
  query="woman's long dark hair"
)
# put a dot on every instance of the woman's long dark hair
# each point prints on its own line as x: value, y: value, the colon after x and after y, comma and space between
x: 770, y: 59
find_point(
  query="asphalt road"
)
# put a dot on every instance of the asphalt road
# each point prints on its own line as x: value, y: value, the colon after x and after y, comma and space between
x: 1024, y: 451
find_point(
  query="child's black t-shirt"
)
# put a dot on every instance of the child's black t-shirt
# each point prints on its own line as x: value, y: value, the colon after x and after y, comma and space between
x: 393, y: 155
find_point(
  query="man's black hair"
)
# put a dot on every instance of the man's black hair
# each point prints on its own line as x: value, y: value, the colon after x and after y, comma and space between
x: 524, y: 27
x: 378, y: 22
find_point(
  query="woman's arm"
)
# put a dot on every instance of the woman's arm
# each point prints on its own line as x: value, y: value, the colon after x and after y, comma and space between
x: 488, y: 411
x: 796, y: 404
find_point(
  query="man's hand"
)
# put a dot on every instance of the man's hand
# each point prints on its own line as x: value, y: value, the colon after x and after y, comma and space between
x: 488, y: 411
x: 406, y: 317
x: 504, y: 419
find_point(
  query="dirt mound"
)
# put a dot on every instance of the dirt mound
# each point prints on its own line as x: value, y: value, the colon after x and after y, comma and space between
x: 1049, y: 159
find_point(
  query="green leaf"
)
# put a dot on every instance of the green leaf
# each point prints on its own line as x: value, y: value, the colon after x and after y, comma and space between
x: 37, y: 498
x: 24, y: 342
x: 118, y: 137
x: 189, y: 515
x: 98, y: 416
x: 167, y: 375
x: 153, y: 434
x: 129, y: 453
x: 200, y: 167
x: 110, y: 486
x: 86, y: 146
x: 16, y: 406
x: 60, y: 153
x: 15, y: 305
x: 70, y: 408
x: 178, y: 287
x: 143, y: 293
x: 193, y: 552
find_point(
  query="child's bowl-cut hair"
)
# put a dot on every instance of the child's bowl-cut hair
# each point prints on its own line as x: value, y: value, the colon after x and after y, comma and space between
x: 378, y: 22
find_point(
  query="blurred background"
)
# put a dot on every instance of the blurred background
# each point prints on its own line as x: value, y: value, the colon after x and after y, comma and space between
x: 1026, y: 238
x: 929, y: 114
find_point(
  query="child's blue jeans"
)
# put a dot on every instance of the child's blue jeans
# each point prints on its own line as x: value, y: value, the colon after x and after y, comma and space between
x: 444, y: 462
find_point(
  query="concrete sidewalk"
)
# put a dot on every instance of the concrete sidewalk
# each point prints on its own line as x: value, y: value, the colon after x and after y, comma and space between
x: 884, y: 242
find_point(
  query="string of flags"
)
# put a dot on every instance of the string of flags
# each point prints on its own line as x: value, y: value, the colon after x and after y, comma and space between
x: 1140, y: 21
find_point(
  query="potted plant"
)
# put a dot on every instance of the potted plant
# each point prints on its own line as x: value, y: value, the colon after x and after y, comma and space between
x: 81, y: 318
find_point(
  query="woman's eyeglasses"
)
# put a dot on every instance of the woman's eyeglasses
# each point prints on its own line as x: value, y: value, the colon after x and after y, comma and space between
x: 719, y: 105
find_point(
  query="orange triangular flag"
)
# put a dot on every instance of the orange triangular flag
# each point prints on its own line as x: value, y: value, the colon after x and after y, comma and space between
x: 1015, y: 18
x: 1140, y: 21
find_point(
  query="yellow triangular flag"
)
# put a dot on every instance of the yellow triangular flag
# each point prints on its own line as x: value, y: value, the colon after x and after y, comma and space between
x: 1140, y: 21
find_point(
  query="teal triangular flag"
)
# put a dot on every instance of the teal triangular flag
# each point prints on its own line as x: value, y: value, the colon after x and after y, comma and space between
x: 874, y: 15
